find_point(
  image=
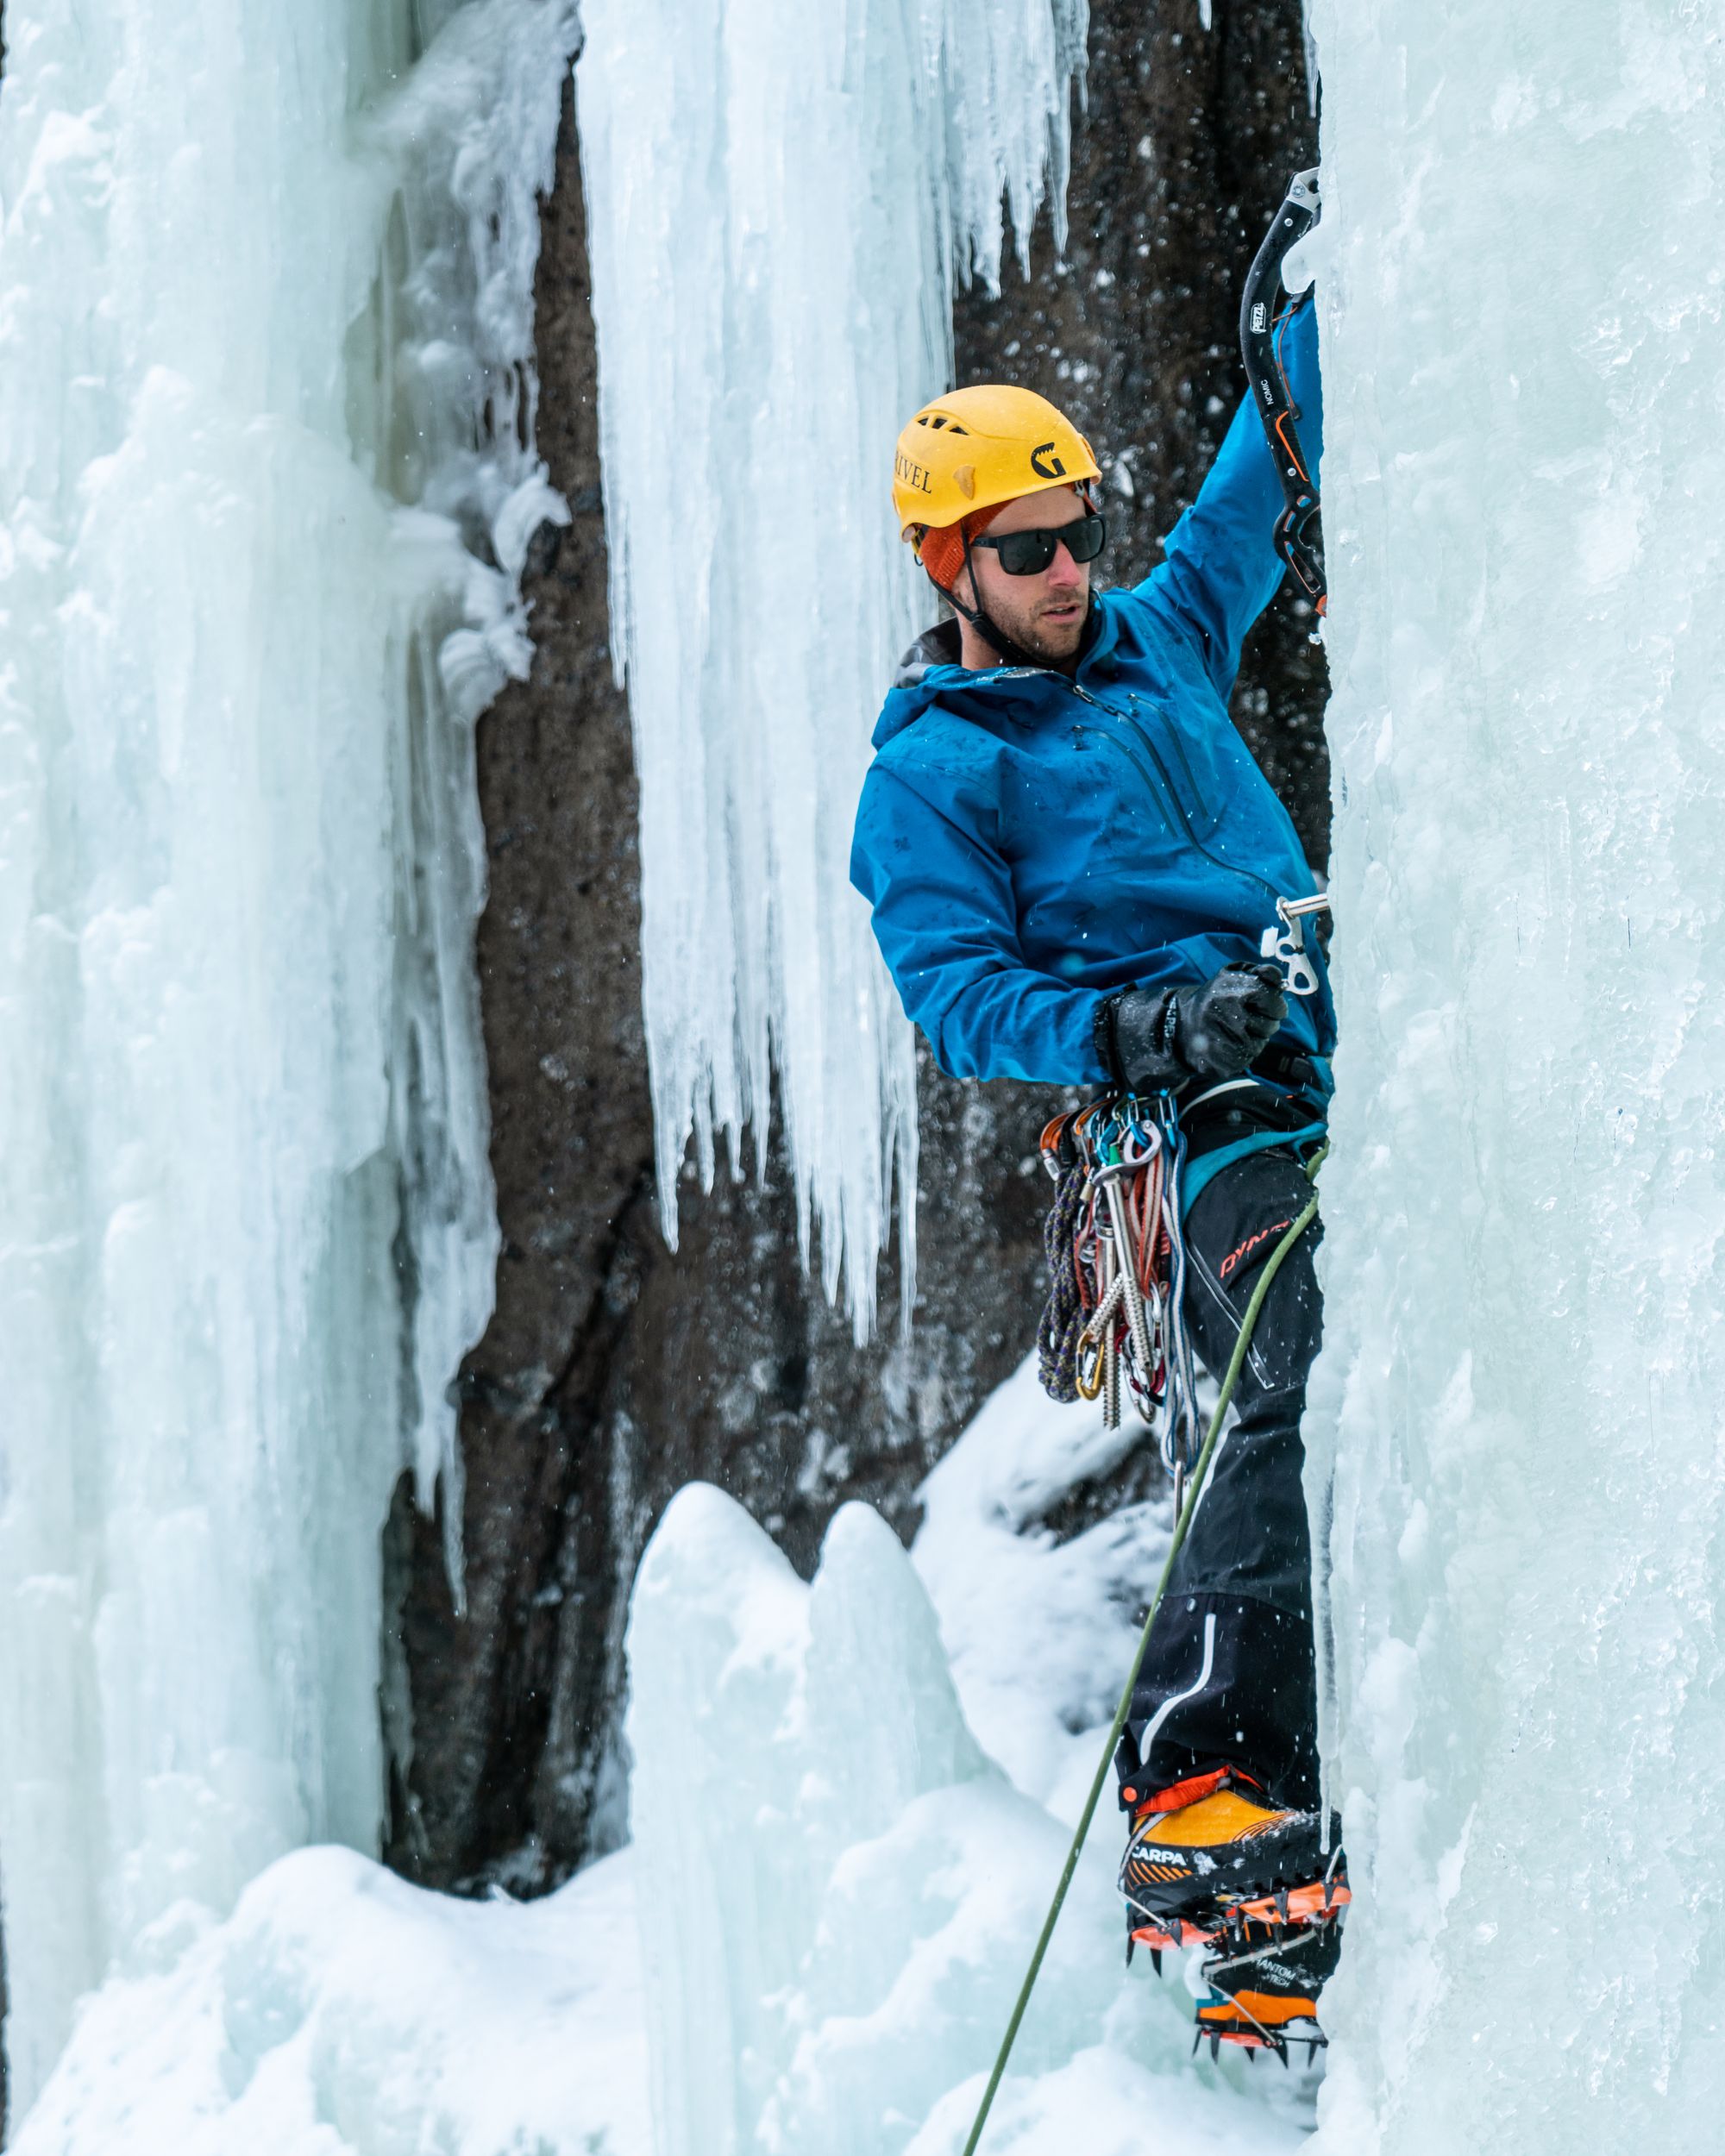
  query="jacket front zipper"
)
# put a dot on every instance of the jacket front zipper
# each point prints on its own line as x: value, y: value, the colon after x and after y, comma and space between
x: 1229, y: 868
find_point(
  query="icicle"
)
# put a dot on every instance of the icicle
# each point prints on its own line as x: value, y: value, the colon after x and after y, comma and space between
x: 248, y: 311
x: 780, y: 198
x: 470, y: 138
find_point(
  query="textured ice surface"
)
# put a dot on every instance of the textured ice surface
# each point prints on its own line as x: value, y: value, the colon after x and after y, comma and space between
x: 257, y: 279
x: 339, y: 2012
x: 838, y: 1890
x: 1038, y: 1631
x: 780, y: 195
x: 1519, y: 1400
x: 837, y: 1895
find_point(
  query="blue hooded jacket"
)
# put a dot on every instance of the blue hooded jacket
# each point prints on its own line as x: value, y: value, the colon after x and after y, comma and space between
x: 1031, y: 843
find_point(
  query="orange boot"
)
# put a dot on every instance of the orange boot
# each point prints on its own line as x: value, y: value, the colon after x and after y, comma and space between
x: 1211, y: 1862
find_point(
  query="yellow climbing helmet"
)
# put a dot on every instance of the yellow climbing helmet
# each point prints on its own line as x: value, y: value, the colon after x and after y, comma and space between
x: 976, y: 449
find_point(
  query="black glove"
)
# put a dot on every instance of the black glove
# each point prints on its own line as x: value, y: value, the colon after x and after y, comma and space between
x: 1153, y: 1040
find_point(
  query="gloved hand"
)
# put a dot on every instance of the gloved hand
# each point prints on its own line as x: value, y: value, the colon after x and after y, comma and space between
x: 1153, y: 1040
x: 1226, y: 1024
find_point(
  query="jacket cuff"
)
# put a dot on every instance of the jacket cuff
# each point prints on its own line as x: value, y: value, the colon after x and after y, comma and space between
x: 1136, y: 1033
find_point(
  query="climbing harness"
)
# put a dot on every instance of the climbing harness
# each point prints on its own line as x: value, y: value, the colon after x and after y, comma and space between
x: 1115, y: 1321
x: 1182, y: 1522
x: 1286, y: 947
x: 1262, y: 324
x: 1113, y: 1327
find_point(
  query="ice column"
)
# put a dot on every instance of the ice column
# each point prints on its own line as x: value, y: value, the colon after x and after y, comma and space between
x: 1517, y: 1422
x: 265, y: 471
x: 779, y: 197
x: 835, y: 1888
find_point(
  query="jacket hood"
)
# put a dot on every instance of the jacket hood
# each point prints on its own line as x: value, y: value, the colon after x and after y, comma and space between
x: 933, y: 671
x: 940, y: 646
x: 932, y: 664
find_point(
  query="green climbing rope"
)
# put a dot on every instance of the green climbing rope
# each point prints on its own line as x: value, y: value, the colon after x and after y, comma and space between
x: 1236, y: 1362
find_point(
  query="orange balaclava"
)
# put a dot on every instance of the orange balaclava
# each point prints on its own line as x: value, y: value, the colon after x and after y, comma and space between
x: 943, y: 547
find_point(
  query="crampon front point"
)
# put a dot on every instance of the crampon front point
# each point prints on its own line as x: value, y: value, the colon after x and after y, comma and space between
x: 1265, y: 1998
x: 1212, y: 1863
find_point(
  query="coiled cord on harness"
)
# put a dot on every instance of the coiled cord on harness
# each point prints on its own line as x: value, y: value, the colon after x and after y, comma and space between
x: 1063, y: 1316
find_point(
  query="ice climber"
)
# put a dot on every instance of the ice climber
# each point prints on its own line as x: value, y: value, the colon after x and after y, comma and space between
x: 1072, y: 858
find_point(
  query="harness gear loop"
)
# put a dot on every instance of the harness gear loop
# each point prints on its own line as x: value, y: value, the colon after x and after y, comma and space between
x: 1262, y: 325
x: 1117, y: 1268
x: 1182, y: 1522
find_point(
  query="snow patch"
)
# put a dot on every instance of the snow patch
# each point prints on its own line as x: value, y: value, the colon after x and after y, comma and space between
x: 1038, y: 1631
x: 340, y: 2012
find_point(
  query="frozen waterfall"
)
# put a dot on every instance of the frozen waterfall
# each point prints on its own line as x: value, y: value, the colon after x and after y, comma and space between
x: 266, y: 481
x: 781, y: 196
x: 1518, y: 1418
x: 262, y: 270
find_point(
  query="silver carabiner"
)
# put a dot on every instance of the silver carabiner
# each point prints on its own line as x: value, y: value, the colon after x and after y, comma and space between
x: 1286, y: 946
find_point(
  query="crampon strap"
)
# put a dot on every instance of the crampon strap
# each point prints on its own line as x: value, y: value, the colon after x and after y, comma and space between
x: 1178, y: 1795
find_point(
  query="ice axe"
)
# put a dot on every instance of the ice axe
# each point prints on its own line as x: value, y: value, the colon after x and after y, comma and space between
x: 1263, y: 322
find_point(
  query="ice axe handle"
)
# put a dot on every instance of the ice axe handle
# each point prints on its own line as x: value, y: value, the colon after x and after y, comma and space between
x: 1260, y: 325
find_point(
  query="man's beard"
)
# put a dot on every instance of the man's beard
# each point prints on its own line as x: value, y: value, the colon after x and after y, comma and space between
x: 1056, y: 640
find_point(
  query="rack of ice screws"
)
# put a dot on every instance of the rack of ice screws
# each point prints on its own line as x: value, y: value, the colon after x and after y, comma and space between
x: 1113, y: 1322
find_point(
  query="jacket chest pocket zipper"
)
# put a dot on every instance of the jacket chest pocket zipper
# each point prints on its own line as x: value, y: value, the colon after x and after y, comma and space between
x: 1154, y: 781
x: 1200, y: 816
x: 1166, y: 799
x: 1184, y: 813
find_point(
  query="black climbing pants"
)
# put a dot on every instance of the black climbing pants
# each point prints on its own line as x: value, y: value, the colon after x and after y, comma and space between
x: 1229, y: 1677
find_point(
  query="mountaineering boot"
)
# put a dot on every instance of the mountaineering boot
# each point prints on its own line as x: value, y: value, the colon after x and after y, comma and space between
x: 1212, y: 1861
x: 1265, y: 1998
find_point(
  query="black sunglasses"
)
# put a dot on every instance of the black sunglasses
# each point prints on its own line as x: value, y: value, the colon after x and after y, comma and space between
x: 1029, y: 553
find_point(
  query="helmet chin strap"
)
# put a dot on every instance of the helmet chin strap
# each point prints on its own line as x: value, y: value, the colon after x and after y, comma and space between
x: 1011, y: 654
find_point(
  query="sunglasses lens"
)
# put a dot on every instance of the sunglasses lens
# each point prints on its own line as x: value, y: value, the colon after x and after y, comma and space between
x: 1029, y: 553
x: 1084, y: 538
x: 1026, y: 553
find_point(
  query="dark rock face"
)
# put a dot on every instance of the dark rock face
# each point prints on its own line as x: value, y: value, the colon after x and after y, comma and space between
x: 615, y: 1370
x: 1188, y: 142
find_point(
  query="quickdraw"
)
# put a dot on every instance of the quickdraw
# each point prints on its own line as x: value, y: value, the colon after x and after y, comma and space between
x: 1115, y: 1323
x: 1262, y: 323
